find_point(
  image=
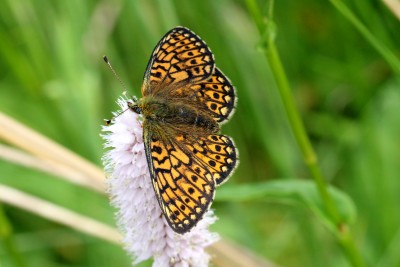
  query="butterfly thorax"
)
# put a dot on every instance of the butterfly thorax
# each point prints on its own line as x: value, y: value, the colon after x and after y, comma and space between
x: 178, y: 113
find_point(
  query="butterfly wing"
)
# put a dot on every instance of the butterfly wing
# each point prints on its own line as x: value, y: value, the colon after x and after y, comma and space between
x: 184, y: 172
x: 216, y: 152
x: 180, y: 57
x: 182, y: 67
x: 187, y: 162
x: 217, y: 95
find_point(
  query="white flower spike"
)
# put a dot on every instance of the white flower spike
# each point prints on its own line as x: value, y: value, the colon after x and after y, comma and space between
x: 139, y: 217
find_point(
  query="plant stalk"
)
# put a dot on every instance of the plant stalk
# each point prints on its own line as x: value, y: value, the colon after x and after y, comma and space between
x: 268, y: 31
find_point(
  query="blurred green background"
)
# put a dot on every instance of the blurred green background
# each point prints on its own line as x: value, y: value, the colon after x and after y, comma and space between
x: 53, y: 79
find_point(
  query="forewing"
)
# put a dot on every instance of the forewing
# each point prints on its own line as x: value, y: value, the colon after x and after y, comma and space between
x: 217, y: 94
x: 180, y: 57
x: 184, y: 174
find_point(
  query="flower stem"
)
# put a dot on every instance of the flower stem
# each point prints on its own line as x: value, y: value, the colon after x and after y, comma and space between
x: 268, y: 32
x: 7, y: 240
x: 299, y: 132
x: 347, y: 244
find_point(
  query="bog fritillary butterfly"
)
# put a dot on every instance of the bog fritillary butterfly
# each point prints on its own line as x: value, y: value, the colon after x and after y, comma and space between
x: 185, y: 99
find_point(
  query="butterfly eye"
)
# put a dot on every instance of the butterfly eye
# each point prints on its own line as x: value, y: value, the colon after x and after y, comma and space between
x: 135, y: 108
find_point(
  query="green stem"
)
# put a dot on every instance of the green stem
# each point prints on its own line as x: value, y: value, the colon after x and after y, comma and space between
x: 267, y: 31
x: 309, y: 156
x: 299, y: 132
x: 347, y: 243
x: 254, y: 10
x: 390, y: 58
x: 7, y: 239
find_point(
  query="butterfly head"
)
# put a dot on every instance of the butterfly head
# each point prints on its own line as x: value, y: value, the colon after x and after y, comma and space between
x: 133, y: 105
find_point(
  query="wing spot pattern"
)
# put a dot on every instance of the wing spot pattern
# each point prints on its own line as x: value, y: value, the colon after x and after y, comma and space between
x: 217, y: 95
x: 157, y: 149
x: 176, y: 48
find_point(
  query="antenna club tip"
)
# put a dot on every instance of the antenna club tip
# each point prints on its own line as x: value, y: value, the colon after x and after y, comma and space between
x: 105, y: 58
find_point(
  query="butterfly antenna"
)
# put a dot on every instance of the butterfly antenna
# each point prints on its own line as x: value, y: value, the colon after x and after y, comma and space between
x: 108, y: 121
x: 105, y: 58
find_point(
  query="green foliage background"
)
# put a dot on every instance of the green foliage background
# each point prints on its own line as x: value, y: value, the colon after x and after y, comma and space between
x: 53, y: 79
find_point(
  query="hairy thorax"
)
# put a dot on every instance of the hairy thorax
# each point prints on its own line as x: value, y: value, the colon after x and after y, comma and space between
x: 180, y: 114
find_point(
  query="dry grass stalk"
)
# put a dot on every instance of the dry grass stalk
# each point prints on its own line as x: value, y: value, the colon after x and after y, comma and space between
x: 58, y: 214
x: 50, y: 157
x: 394, y: 6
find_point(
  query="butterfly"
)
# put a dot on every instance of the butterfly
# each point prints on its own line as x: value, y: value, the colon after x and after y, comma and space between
x: 185, y: 100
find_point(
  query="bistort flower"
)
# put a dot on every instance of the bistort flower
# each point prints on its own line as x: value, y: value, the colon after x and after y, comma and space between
x: 145, y: 232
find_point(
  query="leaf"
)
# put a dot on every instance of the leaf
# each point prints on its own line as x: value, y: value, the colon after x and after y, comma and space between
x: 294, y: 191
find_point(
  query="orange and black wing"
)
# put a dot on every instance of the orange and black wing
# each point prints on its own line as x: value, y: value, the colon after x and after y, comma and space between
x: 185, y: 171
x: 217, y: 96
x: 182, y: 68
x: 180, y: 57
